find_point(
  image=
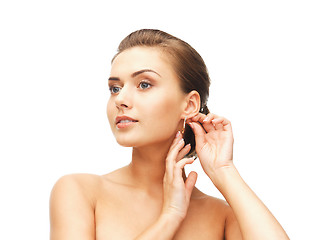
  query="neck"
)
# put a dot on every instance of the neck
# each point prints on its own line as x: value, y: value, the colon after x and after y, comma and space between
x: 148, y: 166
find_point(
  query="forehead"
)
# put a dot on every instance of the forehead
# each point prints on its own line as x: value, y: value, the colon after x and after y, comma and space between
x: 138, y: 58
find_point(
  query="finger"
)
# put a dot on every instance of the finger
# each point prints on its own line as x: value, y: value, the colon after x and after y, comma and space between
x: 217, y: 124
x: 190, y: 183
x: 176, y: 140
x: 183, y: 152
x: 198, y: 118
x: 172, y: 154
x: 182, y: 163
x: 171, y: 159
x: 178, y: 169
x: 168, y: 162
x: 222, y: 124
x: 205, y: 120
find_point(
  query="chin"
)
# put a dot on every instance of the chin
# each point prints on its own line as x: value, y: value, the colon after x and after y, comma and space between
x: 126, y: 142
x: 135, y: 141
x: 140, y: 141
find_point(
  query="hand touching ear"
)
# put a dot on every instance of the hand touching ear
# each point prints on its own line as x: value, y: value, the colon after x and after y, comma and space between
x: 214, y: 142
x: 214, y: 146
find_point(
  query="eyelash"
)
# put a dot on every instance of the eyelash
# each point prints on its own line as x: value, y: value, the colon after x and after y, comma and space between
x: 145, y: 82
x: 111, y: 88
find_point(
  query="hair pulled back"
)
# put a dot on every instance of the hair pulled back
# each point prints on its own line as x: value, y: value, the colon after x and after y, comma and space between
x: 186, y: 62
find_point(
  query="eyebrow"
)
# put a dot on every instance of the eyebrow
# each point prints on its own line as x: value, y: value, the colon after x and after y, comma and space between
x: 135, y: 74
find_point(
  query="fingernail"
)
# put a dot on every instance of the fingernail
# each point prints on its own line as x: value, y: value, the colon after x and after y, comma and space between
x: 181, y: 140
x: 177, y: 134
x: 206, y: 119
x: 190, y: 124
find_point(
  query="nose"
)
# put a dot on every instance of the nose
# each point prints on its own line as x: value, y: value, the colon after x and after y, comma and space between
x: 123, y: 99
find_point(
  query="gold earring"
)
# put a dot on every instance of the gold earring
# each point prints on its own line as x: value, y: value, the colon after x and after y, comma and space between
x: 184, y: 126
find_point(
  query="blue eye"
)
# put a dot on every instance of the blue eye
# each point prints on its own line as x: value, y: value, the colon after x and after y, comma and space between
x: 144, y: 85
x: 114, y: 89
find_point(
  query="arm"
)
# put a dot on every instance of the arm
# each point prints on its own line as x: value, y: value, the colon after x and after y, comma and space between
x: 232, y: 229
x: 255, y: 220
x: 214, y: 145
x: 71, y: 213
x: 176, y: 194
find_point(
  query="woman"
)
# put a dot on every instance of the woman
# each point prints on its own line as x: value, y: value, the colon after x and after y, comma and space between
x: 159, y: 87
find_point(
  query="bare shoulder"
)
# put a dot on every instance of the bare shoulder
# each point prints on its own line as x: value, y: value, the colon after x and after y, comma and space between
x: 222, y: 213
x: 77, y: 185
x: 211, y: 203
x: 82, y: 190
x: 208, y: 214
x: 72, y: 202
x: 78, y: 178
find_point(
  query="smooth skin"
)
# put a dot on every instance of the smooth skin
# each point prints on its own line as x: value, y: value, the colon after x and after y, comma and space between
x: 151, y: 198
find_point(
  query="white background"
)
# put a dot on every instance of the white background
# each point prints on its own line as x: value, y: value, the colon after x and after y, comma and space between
x: 55, y: 60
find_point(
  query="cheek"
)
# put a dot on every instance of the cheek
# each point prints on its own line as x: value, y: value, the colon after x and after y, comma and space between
x: 110, y: 111
x: 163, y: 114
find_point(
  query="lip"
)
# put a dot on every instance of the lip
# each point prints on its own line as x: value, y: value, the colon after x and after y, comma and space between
x: 129, y: 121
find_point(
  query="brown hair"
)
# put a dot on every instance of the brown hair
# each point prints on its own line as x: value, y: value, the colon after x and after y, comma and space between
x: 187, y: 63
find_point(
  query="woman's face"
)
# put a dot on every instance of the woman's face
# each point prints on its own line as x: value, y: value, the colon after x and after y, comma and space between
x: 146, y: 102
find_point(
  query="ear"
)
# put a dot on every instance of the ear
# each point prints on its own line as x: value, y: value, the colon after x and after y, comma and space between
x: 192, y: 104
